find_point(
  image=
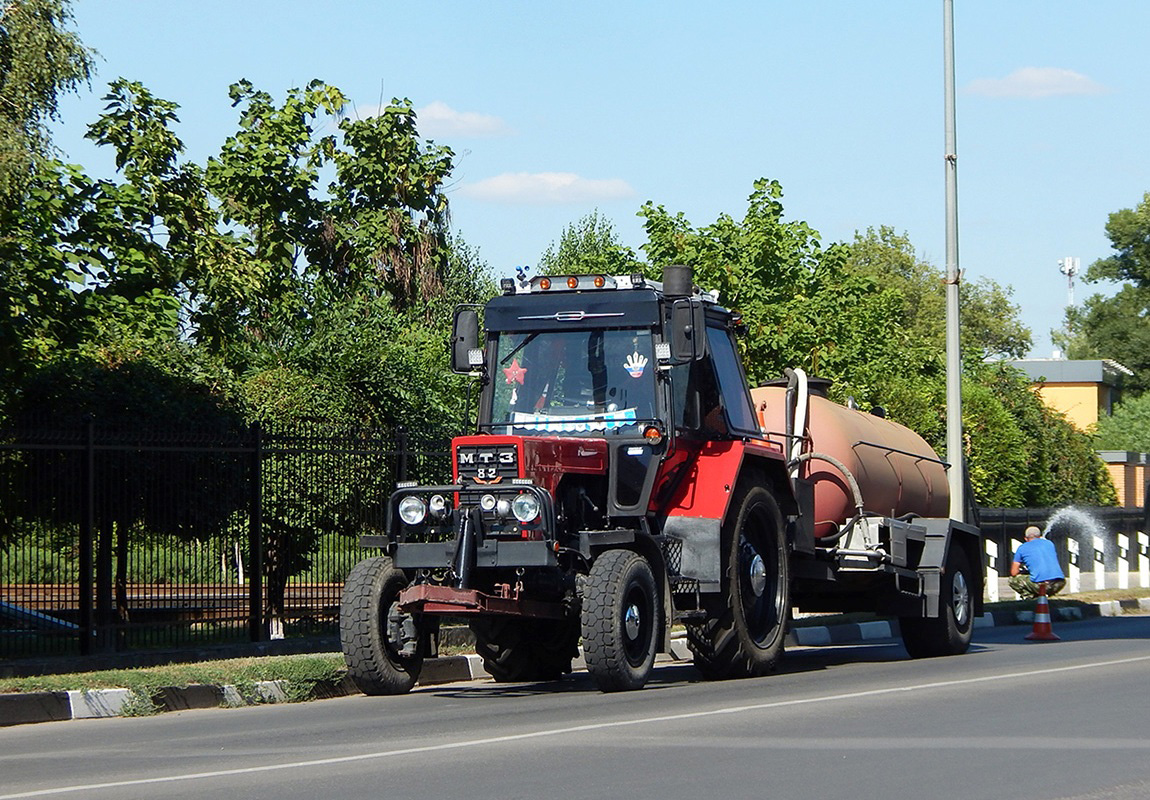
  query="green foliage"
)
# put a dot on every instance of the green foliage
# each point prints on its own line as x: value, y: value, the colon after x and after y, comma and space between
x: 141, y: 702
x: 997, y: 474
x: 1117, y: 327
x: 1127, y: 428
x: 388, y: 215
x: 1061, y: 466
x: 40, y: 58
x: 587, y: 246
x: 990, y: 320
x: 801, y: 305
x: 871, y: 317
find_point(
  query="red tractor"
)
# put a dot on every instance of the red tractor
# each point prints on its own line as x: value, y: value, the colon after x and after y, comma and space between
x: 623, y: 478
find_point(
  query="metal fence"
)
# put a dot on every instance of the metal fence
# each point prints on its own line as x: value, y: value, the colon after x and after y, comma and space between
x: 124, y: 541
x: 118, y: 540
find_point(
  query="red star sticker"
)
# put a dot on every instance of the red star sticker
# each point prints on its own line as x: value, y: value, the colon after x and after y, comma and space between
x: 515, y: 372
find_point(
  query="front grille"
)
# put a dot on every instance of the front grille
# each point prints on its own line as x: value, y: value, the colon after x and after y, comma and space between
x: 487, y: 464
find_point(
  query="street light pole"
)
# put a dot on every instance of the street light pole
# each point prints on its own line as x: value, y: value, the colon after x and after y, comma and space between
x: 953, y: 275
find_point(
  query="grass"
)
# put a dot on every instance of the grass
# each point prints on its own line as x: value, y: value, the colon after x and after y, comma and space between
x: 307, y: 670
x: 303, y: 673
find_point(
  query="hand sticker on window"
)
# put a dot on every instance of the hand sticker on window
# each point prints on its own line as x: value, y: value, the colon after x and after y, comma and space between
x: 635, y: 364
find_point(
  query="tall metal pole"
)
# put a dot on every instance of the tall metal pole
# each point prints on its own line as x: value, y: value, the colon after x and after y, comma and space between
x: 953, y: 275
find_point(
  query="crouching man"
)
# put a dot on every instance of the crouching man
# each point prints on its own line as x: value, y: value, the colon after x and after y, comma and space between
x: 1039, y: 559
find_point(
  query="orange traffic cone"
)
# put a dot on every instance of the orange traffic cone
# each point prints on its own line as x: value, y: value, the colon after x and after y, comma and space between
x: 1042, y: 631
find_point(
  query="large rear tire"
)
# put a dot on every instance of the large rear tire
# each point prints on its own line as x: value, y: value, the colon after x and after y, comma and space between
x: 948, y: 634
x: 744, y: 637
x: 621, y: 620
x: 374, y: 660
x: 519, y: 650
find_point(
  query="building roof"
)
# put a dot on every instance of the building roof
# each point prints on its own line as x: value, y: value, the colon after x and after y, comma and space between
x: 1060, y: 370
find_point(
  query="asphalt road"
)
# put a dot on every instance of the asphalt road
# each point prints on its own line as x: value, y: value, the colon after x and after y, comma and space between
x: 1008, y: 720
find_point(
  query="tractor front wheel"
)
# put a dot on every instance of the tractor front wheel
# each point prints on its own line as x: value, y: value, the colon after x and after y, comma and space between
x: 380, y: 659
x: 621, y: 620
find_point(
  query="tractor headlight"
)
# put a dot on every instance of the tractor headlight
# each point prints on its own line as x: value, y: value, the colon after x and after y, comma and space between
x: 437, y: 505
x: 412, y: 510
x: 525, y: 507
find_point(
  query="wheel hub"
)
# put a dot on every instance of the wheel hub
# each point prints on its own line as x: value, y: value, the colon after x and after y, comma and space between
x: 632, y: 621
x: 757, y: 573
x: 960, y: 596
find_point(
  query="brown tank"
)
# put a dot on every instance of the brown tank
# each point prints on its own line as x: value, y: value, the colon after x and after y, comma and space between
x: 892, y: 483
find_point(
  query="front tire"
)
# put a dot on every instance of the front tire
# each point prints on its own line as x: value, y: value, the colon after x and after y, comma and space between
x: 621, y: 621
x: 948, y: 634
x: 744, y: 638
x: 374, y: 661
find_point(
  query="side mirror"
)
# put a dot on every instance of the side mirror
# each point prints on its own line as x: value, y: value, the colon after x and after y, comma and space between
x: 688, y: 330
x: 465, y: 353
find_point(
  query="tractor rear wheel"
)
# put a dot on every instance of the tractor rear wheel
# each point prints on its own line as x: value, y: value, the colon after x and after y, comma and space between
x: 621, y: 620
x: 371, y: 649
x: 518, y: 650
x: 744, y: 637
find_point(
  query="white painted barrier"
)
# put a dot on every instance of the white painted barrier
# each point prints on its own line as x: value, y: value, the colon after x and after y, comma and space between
x: 1144, y: 560
x: 1123, y: 561
x: 1073, y: 577
x: 1099, y: 563
x: 992, y: 571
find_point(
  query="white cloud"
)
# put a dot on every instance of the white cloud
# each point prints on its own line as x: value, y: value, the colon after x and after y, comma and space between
x: 546, y: 188
x: 1036, y: 82
x: 438, y: 119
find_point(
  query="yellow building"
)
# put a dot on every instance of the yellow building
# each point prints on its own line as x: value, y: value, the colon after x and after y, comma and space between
x: 1086, y: 391
x: 1083, y: 390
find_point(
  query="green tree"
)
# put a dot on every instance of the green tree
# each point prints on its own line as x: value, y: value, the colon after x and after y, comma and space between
x: 40, y: 58
x: 991, y: 326
x: 589, y: 245
x: 801, y: 306
x: 1117, y: 327
x: 865, y: 317
x: 1127, y: 428
x: 98, y: 264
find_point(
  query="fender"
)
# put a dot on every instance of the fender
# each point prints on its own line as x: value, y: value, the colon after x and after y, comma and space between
x: 695, y: 511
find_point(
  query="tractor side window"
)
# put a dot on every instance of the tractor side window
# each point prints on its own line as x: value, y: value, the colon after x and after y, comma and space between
x: 695, y: 395
x: 732, y: 384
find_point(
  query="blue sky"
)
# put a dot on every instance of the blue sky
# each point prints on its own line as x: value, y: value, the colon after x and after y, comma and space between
x: 557, y: 109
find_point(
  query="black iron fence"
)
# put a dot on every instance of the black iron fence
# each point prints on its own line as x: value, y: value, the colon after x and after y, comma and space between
x: 118, y: 540
x: 123, y: 541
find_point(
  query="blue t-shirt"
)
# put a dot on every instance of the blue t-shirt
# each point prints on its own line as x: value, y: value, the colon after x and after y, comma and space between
x: 1041, y: 559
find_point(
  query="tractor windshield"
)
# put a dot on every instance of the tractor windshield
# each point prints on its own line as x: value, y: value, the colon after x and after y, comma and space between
x: 591, y: 382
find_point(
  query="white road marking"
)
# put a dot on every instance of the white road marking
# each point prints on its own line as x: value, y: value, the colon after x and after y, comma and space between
x: 597, y: 726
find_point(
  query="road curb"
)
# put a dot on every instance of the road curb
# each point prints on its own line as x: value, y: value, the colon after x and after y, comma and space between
x: 31, y: 707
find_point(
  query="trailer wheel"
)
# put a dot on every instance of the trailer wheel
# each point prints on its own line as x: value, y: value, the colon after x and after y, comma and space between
x: 621, y: 620
x: 518, y: 650
x: 373, y: 658
x: 744, y: 637
x: 949, y: 634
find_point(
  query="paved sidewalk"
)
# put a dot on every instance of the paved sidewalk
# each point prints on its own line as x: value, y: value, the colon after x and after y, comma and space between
x: 19, y: 709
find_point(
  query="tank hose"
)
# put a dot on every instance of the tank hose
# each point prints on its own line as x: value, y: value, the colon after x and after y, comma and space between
x: 841, y: 467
